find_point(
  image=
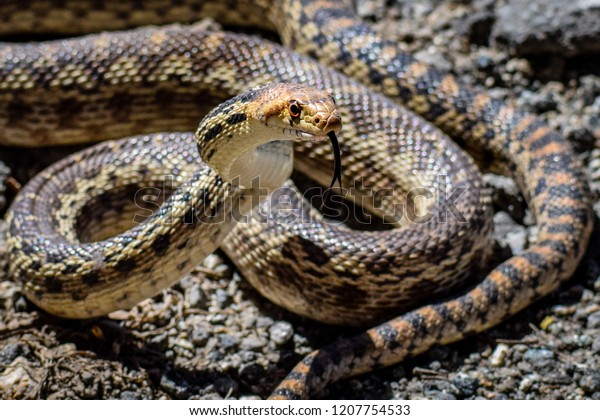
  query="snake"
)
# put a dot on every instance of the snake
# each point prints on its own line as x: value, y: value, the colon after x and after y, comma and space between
x: 414, y: 286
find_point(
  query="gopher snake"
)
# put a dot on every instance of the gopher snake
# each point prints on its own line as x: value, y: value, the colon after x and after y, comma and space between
x: 51, y: 90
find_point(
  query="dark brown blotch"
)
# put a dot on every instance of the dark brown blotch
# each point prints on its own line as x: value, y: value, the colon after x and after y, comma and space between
x: 182, y: 265
x: 91, y: 278
x: 79, y: 295
x: 125, y: 265
x: 53, y: 285
x: 316, y: 254
x: 213, y: 132
x: 236, y: 118
x: 247, y: 96
x: 160, y: 245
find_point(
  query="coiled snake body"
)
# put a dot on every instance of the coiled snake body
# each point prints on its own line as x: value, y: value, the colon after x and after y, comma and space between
x: 109, y: 85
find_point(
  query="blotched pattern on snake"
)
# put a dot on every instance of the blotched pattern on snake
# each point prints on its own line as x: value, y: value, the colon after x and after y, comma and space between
x: 152, y: 79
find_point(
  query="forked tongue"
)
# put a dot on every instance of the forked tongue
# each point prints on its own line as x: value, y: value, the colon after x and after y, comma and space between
x: 337, y: 168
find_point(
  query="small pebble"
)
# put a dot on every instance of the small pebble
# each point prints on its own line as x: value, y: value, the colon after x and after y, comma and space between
x: 414, y: 387
x: 16, y: 379
x: 130, y: 395
x: 247, y: 356
x: 499, y: 373
x: 590, y: 381
x: 538, y: 102
x: 232, y: 362
x: 370, y: 8
x: 439, y: 395
x: 585, y: 340
x: 228, y: 341
x: 484, y: 62
x: 596, y: 345
x: 547, y: 322
x: 87, y: 377
x: 498, y: 356
x: 435, y: 365
x: 200, y: 335
x: 21, y: 304
x: 539, y: 357
x: 250, y: 398
x: 506, y: 385
x: 281, y: 332
x: 160, y: 340
x: 557, y: 378
x: 179, y: 389
x: 264, y: 322
x: 253, y: 343
x: 184, y: 344
x: 466, y: 386
x: 593, y: 320
x: 223, y: 271
x: 212, y: 261
x: 195, y: 297
x: 211, y: 396
x: 508, y: 233
x: 528, y: 381
x: 222, y: 298
x: 217, y: 319
x: 556, y: 327
x: 587, y: 295
x: 9, y: 353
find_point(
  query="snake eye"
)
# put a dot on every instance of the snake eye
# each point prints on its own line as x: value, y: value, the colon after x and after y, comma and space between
x: 295, y: 109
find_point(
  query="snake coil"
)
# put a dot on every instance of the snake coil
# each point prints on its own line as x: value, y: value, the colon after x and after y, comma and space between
x: 141, y: 81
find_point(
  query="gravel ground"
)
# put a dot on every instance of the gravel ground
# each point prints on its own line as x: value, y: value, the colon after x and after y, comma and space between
x: 211, y: 336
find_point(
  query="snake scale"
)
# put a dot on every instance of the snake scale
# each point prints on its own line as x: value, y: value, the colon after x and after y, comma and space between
x: 145, y: 80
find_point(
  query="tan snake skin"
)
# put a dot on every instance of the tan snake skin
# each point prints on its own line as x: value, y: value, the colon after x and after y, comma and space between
x: 137, y: 81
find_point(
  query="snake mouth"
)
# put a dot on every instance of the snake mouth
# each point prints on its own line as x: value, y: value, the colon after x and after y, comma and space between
x: 303, y: 135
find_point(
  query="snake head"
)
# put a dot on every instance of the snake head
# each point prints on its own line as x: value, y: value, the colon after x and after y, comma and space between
x: 248, y: 137
x: 301, y: 112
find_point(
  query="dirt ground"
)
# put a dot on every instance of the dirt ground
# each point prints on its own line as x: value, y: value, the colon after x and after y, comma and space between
x: 212, y: 336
